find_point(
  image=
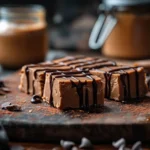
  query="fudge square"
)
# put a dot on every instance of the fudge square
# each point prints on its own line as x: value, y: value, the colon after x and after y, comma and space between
x: 73, y: 90
x: 122, y: 83
x: 33, y: 76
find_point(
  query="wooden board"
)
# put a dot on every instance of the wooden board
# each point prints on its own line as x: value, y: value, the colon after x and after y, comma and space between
x: 131, y: 121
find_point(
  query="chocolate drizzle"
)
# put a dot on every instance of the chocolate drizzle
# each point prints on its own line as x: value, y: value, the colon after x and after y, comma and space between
x: 86, y: 63
x: 79, y: 86
x: 42, y: 69
x: 124, y: 76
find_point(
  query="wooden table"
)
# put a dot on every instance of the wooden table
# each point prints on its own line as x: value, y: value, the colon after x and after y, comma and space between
x: 40, y: 146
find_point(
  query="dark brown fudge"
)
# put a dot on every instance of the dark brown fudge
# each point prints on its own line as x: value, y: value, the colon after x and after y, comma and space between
x: 122, y: 83
x: 33, y: 76
x: 73, y: 90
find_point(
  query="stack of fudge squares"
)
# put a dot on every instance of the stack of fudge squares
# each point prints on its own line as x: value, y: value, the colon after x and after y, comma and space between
x: 83, y: 82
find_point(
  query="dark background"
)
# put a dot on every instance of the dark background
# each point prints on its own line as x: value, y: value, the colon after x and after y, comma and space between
x: 69, y: 21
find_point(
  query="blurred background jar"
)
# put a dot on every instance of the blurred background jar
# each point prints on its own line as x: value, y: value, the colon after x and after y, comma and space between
x: 23, y: 35
x: 123, y: 29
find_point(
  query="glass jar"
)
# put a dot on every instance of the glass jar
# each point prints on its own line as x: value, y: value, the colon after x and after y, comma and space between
x: 123, y: 29
x: 23, y: 35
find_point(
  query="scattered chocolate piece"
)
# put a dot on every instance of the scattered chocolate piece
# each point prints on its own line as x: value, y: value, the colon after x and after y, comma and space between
x: 10, y: 107
x: 3, y: 139
x: 36, y: 99
x: 119, y: 143
x: 67, y: 145
x: 137, y: 146
x: 17, y: 147
x: 86, y: 143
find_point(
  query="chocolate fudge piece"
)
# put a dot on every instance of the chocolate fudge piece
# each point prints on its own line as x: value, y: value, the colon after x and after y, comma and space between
x: 122, y: 83
x: 33, y: 76
x: 74, y: 89
x: 85, y: 63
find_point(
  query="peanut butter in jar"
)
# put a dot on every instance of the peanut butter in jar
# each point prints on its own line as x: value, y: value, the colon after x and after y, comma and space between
x: 123, y: 29
x: 23, y: 35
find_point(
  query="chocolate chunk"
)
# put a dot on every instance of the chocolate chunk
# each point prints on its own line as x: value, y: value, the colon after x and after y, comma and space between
x: 119, y: 143
x: 10, y: 107
x: 137, y: 146
x: 36, y: 99
x: 17, y: 147
x: 67, y: 145
x: 86, y: 143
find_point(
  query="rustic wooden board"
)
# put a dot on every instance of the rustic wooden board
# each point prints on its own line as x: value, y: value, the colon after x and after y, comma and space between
x: 44, y: 123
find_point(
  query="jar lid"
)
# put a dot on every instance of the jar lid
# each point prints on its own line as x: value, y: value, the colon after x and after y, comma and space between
x: 123, y: 5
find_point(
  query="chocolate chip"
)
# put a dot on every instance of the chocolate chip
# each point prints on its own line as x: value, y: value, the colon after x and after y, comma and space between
x: 10, y: 107
x: 137, y: 146
x: 85, y: 143
x: 67, y: 145
x: 118, y: 143
x: 36, y: 99
x: 17, y: 147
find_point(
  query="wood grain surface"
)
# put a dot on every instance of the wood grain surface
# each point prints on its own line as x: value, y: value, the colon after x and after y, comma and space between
x: 40, y: 122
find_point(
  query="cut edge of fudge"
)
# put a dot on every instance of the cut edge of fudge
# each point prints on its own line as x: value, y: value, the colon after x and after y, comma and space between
x: 73, y: 90
x: 123, y: 83
x: 28, y: 75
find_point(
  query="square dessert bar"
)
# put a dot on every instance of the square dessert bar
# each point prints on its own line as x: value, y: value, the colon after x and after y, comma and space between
x: 85, y: 63
x: 33, y: 76
x: 73, y: 90
x: 122, y: 83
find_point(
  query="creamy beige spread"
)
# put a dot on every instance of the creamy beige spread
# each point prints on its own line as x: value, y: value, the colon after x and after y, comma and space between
x: 130, y: 38
x: 22, y: 43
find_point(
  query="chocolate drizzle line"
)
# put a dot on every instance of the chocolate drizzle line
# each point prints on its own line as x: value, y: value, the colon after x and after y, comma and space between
x: 82, y: 63
x: 79, y: 86
x: 123, y: 76
x: 37, y: 65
